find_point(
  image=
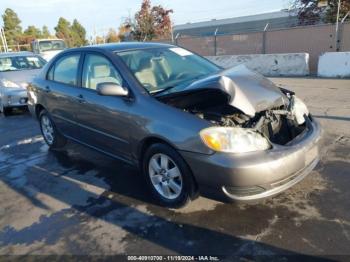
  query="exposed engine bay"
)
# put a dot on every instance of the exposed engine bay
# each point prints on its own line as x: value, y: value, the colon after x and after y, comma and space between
x: 241, y: 98
x: 278, y: 125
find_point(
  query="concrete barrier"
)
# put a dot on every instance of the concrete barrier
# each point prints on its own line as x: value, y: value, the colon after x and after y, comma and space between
x: 334, y: 64
x: 293, y: 64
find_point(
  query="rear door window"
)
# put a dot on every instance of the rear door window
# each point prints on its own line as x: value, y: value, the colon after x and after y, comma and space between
x: 65, y: 70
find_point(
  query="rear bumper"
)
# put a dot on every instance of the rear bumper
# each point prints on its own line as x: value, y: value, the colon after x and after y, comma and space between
x: 257, y: 175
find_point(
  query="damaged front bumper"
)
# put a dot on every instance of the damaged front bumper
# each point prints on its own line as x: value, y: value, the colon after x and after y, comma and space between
x: 257, y: 175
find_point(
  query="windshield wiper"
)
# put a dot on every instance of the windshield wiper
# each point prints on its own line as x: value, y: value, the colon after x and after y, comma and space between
x: 157, y: 92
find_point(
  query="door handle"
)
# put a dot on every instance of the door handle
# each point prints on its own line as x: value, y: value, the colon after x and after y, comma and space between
x: 81, y: 99
x: 47, y: 89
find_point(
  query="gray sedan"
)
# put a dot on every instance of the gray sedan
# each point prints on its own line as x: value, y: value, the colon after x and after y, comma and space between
x: 16, y: 71
x: 189, y: 125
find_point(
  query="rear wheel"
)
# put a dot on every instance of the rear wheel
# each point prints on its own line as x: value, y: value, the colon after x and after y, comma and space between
x: 168, y: 176
x: 49, y: 131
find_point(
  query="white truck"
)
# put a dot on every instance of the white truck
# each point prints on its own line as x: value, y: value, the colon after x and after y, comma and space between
x: 48, y: 48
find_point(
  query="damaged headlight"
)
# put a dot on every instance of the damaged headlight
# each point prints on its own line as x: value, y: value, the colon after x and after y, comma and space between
x: 234, y: 140
x: 298, y: 110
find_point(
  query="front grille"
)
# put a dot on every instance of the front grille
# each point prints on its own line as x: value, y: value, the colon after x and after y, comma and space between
x: 245, y: 191
x: 284, y: 181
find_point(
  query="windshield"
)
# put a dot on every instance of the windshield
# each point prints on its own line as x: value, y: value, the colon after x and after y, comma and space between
x: 16, y: 63
x: 160, y: 69
x: 49, y: 45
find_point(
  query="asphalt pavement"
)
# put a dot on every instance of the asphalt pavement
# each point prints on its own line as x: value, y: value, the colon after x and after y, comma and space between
x: 80, y: 202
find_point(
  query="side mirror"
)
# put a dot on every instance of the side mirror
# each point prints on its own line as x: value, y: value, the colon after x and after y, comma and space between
x: 111, y: 89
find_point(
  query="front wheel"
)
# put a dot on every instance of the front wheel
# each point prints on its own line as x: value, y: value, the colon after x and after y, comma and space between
x: 49, y: 131
x: 168, y: 176
x: 5, y: 110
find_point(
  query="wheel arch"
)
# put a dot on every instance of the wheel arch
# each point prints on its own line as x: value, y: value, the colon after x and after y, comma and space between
x: 38, y: 109
x: 147, y: 142
x: 151, y: 140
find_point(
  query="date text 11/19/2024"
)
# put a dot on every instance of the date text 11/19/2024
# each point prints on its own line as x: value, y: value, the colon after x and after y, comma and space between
x: 173, y: 258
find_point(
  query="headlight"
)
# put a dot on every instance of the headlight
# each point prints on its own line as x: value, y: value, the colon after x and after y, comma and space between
x: 8, y: 83
x: 298, y: 109
x: 233, y: 140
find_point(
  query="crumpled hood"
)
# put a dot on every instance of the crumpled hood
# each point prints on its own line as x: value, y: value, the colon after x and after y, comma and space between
x: 242, y: 88
x: 251, y: 92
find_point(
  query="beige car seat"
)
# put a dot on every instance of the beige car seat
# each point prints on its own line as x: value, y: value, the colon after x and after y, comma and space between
x: 101, y: 73
x: 146, y: 74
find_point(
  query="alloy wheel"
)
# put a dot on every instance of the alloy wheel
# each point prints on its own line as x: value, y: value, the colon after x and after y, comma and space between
x: 47, y: 128
x: 165, y: 176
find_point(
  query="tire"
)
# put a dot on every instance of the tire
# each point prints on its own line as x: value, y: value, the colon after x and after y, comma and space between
x: 6, y: 111
x: 181, y: 186
x: 49, y: 131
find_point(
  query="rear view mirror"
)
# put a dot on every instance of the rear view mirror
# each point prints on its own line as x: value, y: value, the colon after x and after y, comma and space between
x: 111, y: 89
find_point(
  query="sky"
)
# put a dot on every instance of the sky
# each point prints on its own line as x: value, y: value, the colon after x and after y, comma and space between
x: 100, y: 15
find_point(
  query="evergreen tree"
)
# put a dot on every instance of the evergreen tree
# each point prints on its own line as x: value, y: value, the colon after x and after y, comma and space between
x: 78, y: 33
x: 63, y: 31
x: 33, y: 32
x: 12, y: 26
x: 45, y: 32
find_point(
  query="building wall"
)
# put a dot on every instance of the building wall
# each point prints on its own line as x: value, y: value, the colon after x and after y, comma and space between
x: 251, y: 43
x: 201, y: 45
x: 345, y: 40
x: 314, y: 40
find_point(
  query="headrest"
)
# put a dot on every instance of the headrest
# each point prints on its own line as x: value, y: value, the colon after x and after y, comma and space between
x: 100, y: 70
x: 145, y: 63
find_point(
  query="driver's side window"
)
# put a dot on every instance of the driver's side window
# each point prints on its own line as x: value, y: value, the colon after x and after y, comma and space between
x: 98, y: 69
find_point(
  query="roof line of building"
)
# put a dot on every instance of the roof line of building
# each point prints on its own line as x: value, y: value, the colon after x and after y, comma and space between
x: 241, y: 19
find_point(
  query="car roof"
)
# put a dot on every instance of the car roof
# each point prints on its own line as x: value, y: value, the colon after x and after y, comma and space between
x: 124, y: 46
x: 14, y: 54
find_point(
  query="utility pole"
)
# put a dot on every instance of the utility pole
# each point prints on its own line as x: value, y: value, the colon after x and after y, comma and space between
x: 264, y: 38
x: 341, y: 31
x: 176, y: 37
x: 337, y: 28
x: 215, y: 41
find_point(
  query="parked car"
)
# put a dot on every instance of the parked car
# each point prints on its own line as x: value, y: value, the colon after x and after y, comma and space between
x: 48, y: 48
x: 188, y: 124
x: 16, y: 71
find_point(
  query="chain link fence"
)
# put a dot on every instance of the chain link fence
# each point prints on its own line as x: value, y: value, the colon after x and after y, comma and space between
x: 315, y: 40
